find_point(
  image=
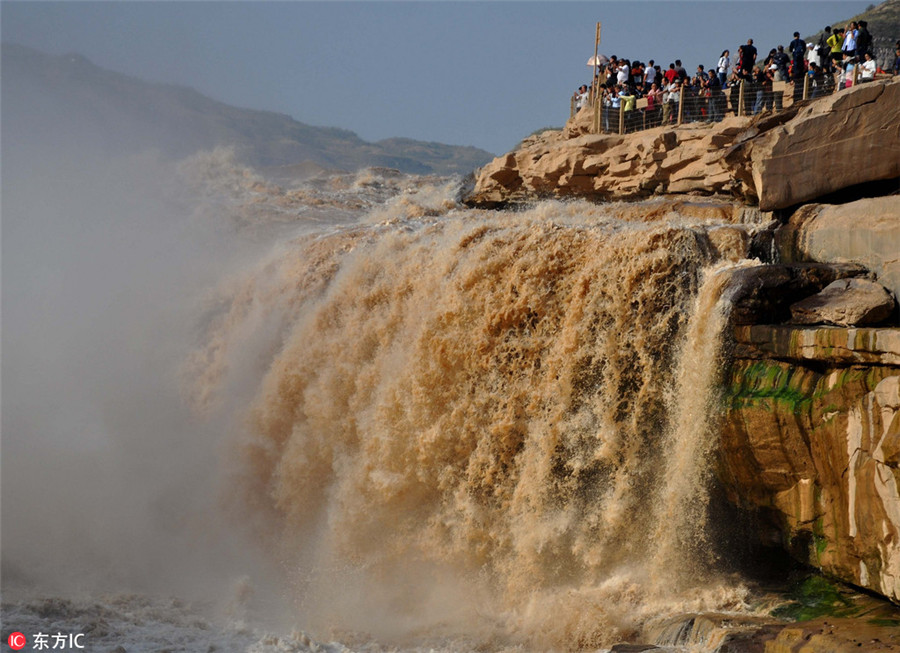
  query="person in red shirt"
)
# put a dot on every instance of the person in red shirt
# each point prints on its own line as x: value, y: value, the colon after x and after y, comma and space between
x: 671, y: 73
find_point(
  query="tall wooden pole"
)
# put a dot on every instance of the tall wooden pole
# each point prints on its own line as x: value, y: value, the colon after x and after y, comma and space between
x: 596, y: 84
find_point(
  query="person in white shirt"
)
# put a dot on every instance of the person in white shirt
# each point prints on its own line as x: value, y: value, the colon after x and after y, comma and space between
x: 581, y: 96
x: 849, y: 46
x: 649, y: 75
x: 723, y: 67
x: 671, y: 98
x: 812, y: 55
x: 868, y: 68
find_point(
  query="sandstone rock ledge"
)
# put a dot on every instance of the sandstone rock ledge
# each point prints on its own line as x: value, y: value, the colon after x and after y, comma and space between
x: 775, y: 160
x: 825, y: 345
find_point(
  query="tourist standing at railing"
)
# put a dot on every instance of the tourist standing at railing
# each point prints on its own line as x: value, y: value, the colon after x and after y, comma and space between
x: 781, y: 60
x: 812, y: 56
x: 723, y: 67
x: 671, y: 74
x: 654, y: 105
x: 581, y: 97
x: 615, y: 104
x: 816, y: 77
x: 847, y: 66
x: 824, y: 50
x: 716, y: 98
x: 649, y: 76
x: 622, y: 72
x: 762, y: 84
x: 863, y: 40
x: 770, y: 59
x: 670, y: 101
x: 629, y: 102
x: 836, y: 43
x: 798, y: 52
x: 746, y: 59
x: 637, y: 77
x: 694, y: 101
x: 896, y: 68
x: 735, y: 92
x: 699, y: 94
x: 849, y: 47
x: 798, y: 65
x: 827, y: 60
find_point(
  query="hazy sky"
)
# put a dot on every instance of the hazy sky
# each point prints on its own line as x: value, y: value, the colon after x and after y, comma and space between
x: 466, y: 73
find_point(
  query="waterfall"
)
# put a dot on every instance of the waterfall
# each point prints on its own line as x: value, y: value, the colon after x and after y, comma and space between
x: 487, y: 423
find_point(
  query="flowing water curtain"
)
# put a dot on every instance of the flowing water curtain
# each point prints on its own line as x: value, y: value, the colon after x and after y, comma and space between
x: 485, y: 394
x: 684, y: 553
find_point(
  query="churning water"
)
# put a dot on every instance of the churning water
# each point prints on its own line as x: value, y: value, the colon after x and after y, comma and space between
x: 434, y: 427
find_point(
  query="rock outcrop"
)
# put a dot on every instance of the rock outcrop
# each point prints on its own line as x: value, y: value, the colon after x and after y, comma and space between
x: 836, y: 346
x: 864, y: 232
x: 857, y: 131
x: 764, y: 294
x: 774, y: 160
x: 847, y: 302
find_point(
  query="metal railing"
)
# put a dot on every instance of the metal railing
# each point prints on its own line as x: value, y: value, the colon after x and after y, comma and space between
x: 742, y: 99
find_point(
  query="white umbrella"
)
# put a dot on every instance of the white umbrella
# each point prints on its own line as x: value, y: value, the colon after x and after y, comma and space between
x: 599, y: 60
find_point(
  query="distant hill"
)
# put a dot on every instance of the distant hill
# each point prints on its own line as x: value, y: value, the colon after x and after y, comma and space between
x: 65, y: 100
x: 884, y: 25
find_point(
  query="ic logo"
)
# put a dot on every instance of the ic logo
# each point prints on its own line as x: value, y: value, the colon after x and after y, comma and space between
x: 16, y: 641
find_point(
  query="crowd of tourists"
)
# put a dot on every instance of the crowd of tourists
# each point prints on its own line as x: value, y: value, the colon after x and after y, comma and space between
x: 841, y: 57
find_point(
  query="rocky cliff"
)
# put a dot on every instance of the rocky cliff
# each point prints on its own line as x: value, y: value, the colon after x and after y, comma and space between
x: 810, y: 437
x: 774, y: 161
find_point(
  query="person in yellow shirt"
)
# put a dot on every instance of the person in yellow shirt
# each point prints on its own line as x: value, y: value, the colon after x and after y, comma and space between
x: 628, y: 104
x: 836, y: 42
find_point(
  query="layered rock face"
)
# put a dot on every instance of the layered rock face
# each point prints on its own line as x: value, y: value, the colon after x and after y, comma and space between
x: 816, y: 446
x: 773, y: 160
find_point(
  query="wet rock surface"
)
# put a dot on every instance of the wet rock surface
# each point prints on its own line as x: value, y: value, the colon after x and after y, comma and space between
x: 813, y: 452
